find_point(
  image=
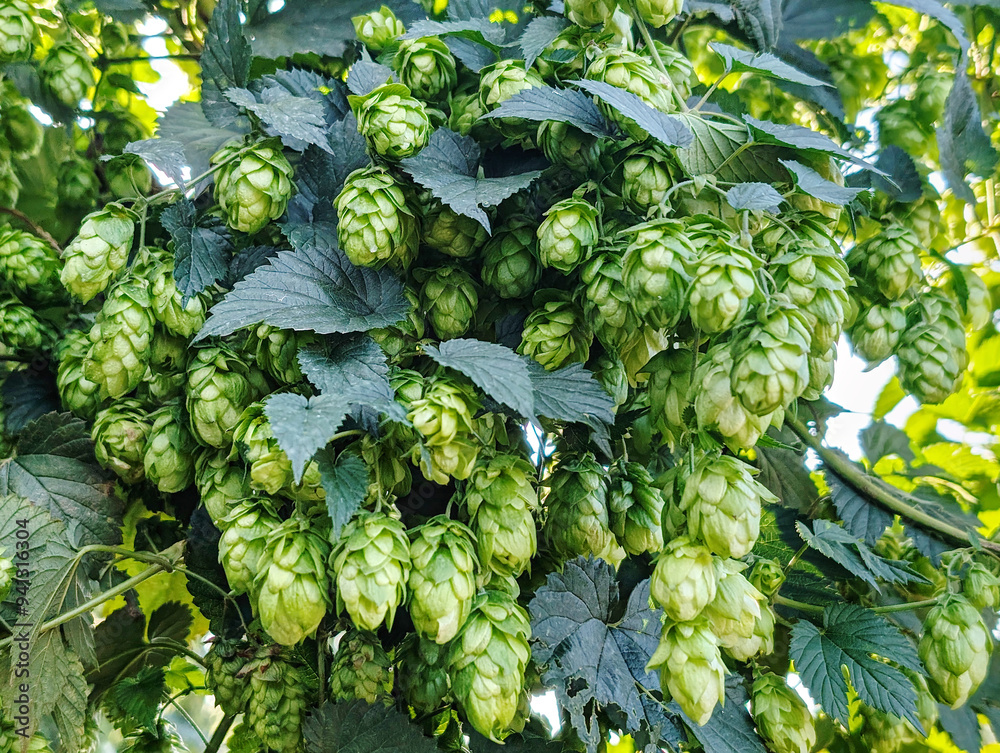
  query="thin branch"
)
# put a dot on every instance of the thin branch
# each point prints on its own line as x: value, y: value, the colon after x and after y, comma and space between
x: 36, y: 229
x: 140, y: 58
x: 220, y: 734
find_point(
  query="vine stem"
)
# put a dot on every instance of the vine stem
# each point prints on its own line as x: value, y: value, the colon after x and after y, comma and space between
x: 815, y: 609
x: 36, y: 229
x: 657, y: 60
x: 220, y: 734
x: 883, y: 494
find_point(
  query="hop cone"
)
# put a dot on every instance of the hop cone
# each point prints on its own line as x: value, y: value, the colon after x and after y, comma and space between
x: 466, y: 110
x: 955, y: 649
x: 162, y: 739
x: 443, y: 579
x: 77, y: 184
x: 767, y: 576
x: 890, y: 261
x: 501, y: 501
x: 610, y: 371
x: 443, y: 416
x: 120, y: 433
x: 372, y: 562
x: 278, y: 701
x: 565, y: 144
x: 658, y: 13
x: 449, y: 300
x: 98, y: 253
x: 223, y: 663
x: 395, y: 124
x: 422, y: 673
x: 378, y: 29
x: 771, y: 368
x: 577, y: 502
x: 427, y: 67
x: 723, y: 283
x: 169, y: 456
x: 361, y: 669
x: 646, y: 176
x: 589, y: 12
x: 932, y: 351
x: 739, y: 615
x: 17, y: 29
x: 606, y: 301
x: 76, y: 393
x: 220, y: 385
x: 6, y: 575
x: 782, y: 717
x: 67, y: 73
x: 691, y: 668
x: 387, y: 459
x: 375, y: 225
x: 668, y: 386
x: 629, y: 71
x: 28, y: 265
x: 877, y: 330
x: 221, y: 483
x: 634, y: 509
x: 815, y: 279
x: 510, y: 260
x: 716, y: 405
x: 120, y: 340
x: 501, y: 81
x: 568, y: 234
x: 253, y: 188
x: 20, y: 329
x: 555, y: 332
x: 245, y: 532
x: 685, y: 579
x: 451, y: 233
x: 291, y: 584
x: 23, y: 132
x: 655, y: 270
x: 276, y: 351
x: 487, y: 662
x: 179, y: 318
x: 981, y: 587
x: 406, y: 332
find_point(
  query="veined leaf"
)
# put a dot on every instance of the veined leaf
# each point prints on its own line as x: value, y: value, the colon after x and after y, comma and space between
x: 495, y: 369
x: 202, y: 252
x: 813, y: 184
x: 345, y: 481
x: 854, y: 555
x: 564, y: 105
x: 668, y: 130
x: 225, y: 62
x: 303, y: 425
x: 754, y: 196
x: 539, y: 34
x: 799, y: 137
x: 763, y: 62
x: 356, y: 727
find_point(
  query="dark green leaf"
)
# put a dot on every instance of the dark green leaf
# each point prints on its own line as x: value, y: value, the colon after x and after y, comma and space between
x: 854, y: 555
x: 902, y: 181
x: 247, y: 260
x: 297, y: 120
x: 225, y: 62
x: 784, y: 472
x: 202, y: 248
x: 165, y: 155
x: 565, y: 105
x: 119, y: 640
x: 763, y: 62
x: 879, y: 439
x: 137, y: 699
x: 571, y: 394
x: 303, y: 425
x: 962, y: 726
x: 754, y: 196
x: 472, y: 54
x: 539, y: 34
x: 366, y: 75
x: 813, y: 184
x: 172, y: 620
x: 862, y: 518
x: 327, y: 92
x: 807, y: 19
x: 356, y: 727
x: 496, y: 370
x: 489, y: 32
x: 345, y: 481
x: 186, y: 122
x: 799, y: 137
x: 964, y: 145
x: 126, y: 11
x: 714, y: 152
x: 666, y: 129
x: 731, y: 728
x: 28, y: 395
x: 851, y: 636
x: 940, y: 13
x: 201, y: 556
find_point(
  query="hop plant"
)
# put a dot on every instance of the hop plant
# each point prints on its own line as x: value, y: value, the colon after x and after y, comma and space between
x: 220, y: 385
x: 77, y: 394
x: 739, y: 615
x: 443, y: 416
x: 589, y: 12
x: 449, y: 299
x: 120, y: 433
x: 766, y: 576
x: 723, y: 283
x: 668, y: 386
x: 378, y: 29
x: 610, y: 371
x: 658, y: 13
x: 279, y: 699
x: 555, y: 332
x: 567, y: 235
x: 169, y: 456
x: 501, y: 81
x: 253, y: 184
x: 427, y: 67
x: 77, y: 184
x: 487, y: 661
x: 220, y: 483
x: 955, y: 648
x: 372, y: 562
x: 685, y: 579
x: 361, y: 669
x: 466, y: 111
x: 20, y: 329
x: 98, y: 253
x: 815, y: 279
x: 932, y: 350
x: 577, y: 502
x: 17, y: 30
x: 890, y: 261
x: 691, y: 668
x: 717, y: 406
x: 655, y: 270
x: 276, y: 351
x: 23, y: 132
x: 395, y: 124
x: 451, y: 233
x: 877, y: 330
x: 67, y: 73
x: 28, y: 265
x: 375, y: 226
x: 163, y: 738
x: 981, y: 587
x: 270, y: 467
x: 632, y: 72
x: 245, y: 532
x: 511, y: 267
x: 120, y: 340
x: 223, y: 664
x: 422, y: 673
x: 635, y: 507
x: 606, y: 302
x: 442, y: 581
x: 782, y: 717
x: 179, y: 317
x: 291, y: 583
x: 501, y: 502
x: 565, y: 144
x: 646, y: 177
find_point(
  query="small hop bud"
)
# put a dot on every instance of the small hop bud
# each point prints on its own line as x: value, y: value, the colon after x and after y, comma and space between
x: 740, y: 616
x: 890, y: 261
x: 632, y: 72
x: 20, y: 329
x: 782, y: 717
x: 220, y: 385
x: 245, y: 532
x: 449, y: 299
x: 120, y: 340
x: 981, y: 587
x: 685, y: 579
x: 375, y: 225
x: 180, y: 317
x: 169, y: 456
x: 716, y: 405
x: 442, y: 582
x: 220, y: 483
x: 668, y: 386
x: 577, y: 501
x: 17, y: 30
x: 511, y: 267
x: 427, y: 67
x: 658, y: 13
x: 120, y: 433
x: 877, y: 330
x: 955, y: 649
x: 655, y: 270
x: 378, y: 29
x: 565, y: 144
x: 98, y: 253
x: 67, y: 73
x: 589, y: 12
x: 646, y: 176
x: 223, y: 664
x: 555, y: 332
x: 451, y: 233
x: 29, y: 265
x: 606, y: 302
x: 280, y: 694
x: 77, y: 394
x: 501, y: 81
x: 766, y: 576
x: 635, y: 507
x: 361, y: 669
x: 422, y: 672
x: 443, y: 416
x: 932, y: 353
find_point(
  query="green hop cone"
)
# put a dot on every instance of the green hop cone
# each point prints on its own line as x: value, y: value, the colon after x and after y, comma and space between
x: 443, y: 416
x: 372, y: 562
x: 487, y: 662
x: 923, y: 218
x: 782, y: 717
x: 253, y: 188
x: 955, y: 649
x: 23, y: 132
x: 630, y: 71
x: 691, y: 668
x: 28, y: 265
x: 245, y: 532
x: 378, y: 29
x: 610, y: 371
x: 932, y: 353
x: 128, y: 176
x: 771, y: 367
x: 890, y: 261
x: 17, y: 29
x: 220, y: 482
x: 375, y: 226
x: 658, y: 13
x: 387, y: 459
x: 568, y: 234
x: 815, y: 279
x: 635, y: 507
x: 565, y: 144
x: 443, y: 579
x: 276, y: 351
x: 717, y: 406
x: 77, y: 184
x: 67, y: 73
x: 98, y: 252
x: 646, y: 176
x: 511, y: 268
x: 291, y: 585
x: 589, y: 12
x: 278, y: 700
x: 220, y: 385
x: 685, y: 579
x: 668, y: 386
x: 451, y: 233
x: 427, y: 67
x: 981, y: 587
x: 501, y: 502
x: 163, y: 738
x: 606, y: 301
x: 120, y: 433
x: 223, y: 663
x: 20, y: 329
x: 6, y: 575
x: 577, y: 502
x: 555, y: 332
x: 120, y: 340
x: 404, y: 335
x: 501, y: 81
x: 466, y: 110
x: 361, y: 669
x: 723, y: 282
x: 270, y: 467
x: 449, y: 300
x: 77, y: 394
x: 422, y: 673
x: 655, y: 270
x: 395, y: 124
x: 897, y: 125
x: 679, y: 68
x: 169, y: 307
x: 977, y: 302
x: 723, y: 504
x: 822, y: 370
x: 877, y: 330
x: 170, y: 448
x: 739, y: 615
x: 766, y: 576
